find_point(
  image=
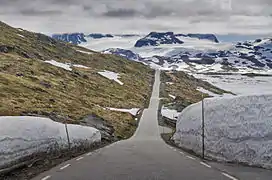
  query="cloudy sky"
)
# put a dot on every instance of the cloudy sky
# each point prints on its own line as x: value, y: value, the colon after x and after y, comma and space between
x: 140, y: 16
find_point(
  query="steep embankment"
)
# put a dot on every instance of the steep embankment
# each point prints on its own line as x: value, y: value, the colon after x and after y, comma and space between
x: 71, y: 89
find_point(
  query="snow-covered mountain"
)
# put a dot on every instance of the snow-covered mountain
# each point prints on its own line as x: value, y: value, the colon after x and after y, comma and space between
x: 78, y: 38
x: 202, y: 53
x: 74, y: 38
x: 156, y: 39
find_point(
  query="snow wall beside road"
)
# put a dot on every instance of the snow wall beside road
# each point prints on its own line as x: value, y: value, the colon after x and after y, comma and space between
x: 237, y: 129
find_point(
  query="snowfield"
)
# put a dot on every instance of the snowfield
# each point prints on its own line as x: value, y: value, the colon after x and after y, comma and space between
x: 111, y: 75
x: 237, y: 129
x: 238, y: 84
x: 22, y: 136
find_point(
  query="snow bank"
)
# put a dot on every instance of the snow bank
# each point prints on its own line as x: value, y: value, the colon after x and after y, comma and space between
x: 132, y: 111
x: 111, y: 75
x: 23, y: 136
x: 237, y: 129
x: 169, y: 113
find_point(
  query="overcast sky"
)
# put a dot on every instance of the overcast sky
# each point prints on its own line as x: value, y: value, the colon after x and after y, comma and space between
x: 140, y: 16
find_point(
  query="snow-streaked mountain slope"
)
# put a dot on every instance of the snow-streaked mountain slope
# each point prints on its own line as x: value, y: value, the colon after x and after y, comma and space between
x: 193, y: 53
x: 237, y: 129
x: 158, y: 38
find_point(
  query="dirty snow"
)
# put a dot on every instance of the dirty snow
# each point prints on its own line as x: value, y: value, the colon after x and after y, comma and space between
x: 237, y: 129
x: 111, y: 75
x: 132, y: 111
x: 201, y: 89
x: 22, y: 136
x: 169, y: 113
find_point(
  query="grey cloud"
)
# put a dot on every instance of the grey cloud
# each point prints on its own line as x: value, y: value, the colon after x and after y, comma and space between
x: 32, y: 12
x: 121, y: 13
x: 62, y: 15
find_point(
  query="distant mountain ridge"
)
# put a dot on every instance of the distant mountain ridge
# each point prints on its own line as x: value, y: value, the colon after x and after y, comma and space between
x: 152, y: 39
x: 78, y: 38
x: 244, y: 57
x: 168, y: 50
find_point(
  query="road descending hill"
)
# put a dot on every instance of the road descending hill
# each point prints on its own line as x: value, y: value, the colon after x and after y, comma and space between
x: 41, y: 76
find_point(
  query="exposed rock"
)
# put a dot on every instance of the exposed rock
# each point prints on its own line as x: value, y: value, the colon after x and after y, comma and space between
x: 6, y: 49
x: 106, y: 130
x: 46, y: 84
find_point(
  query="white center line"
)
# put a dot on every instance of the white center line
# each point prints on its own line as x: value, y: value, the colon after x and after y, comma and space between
x: 190, y: 157
x: 229, y: 176
x: 46, y: 177
x: 78, y: 159
x: 66, y: 166
x: 204, y: 164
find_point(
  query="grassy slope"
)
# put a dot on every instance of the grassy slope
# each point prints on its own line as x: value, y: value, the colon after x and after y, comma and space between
x: 184, y: 88
x: 29, y: 85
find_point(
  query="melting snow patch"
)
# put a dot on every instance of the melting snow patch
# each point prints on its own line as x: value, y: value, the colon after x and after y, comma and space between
x: 132, y: 111
x: 21, y: 35
x: 65, y: 66
x: 22, y: 136
x: 169, y: 113
x: 111, y: 75
x: 205, y: 91
x: 172, y: 96
x: 85, y: 52
x: 80, y: 66
x: 169, y: 83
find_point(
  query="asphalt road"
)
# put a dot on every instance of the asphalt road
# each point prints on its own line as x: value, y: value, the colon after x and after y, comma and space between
x: 145, y: 156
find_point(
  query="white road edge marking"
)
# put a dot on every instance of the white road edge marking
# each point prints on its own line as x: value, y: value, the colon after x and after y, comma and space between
x: 46, y: 177
x: 229, y: 176
x: 204, y: 164
x: 90, y: 153
x: 66, y: 166
x: 78, y: 159
x: 181, y: 152
x: 190, y: 157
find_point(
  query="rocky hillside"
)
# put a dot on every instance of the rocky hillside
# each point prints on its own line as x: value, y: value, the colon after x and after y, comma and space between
x: 42, y: 76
